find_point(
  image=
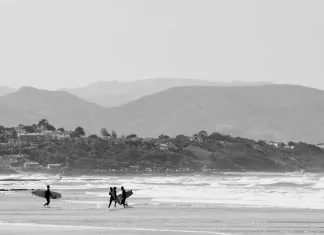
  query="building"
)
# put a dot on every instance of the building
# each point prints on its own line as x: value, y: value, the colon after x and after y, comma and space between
x: 49, y: 135
x: 20, y: 129
x: 32, y: 165
x: 163, y: 147
x: 31, y: 138
x: 60, y: 136
x: 166, y: 146
x: 133, y: 169
x: 43, y: 136
x: 106, y: 137
x: 63, y: 136
x: 14, y: 158
x: 277, y: 144
x: 203, y: 133
x: 197, y: 139
x: 148, y: 170
x: 289, y: 147
x: 185, y: 169
x: 320, y: 145
x: 53, y: 166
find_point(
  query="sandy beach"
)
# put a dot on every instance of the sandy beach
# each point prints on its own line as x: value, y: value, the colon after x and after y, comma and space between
x: 226, y: 204
x: 23, y: 214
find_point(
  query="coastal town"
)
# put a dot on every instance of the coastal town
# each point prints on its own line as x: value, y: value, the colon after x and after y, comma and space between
x: 43, y: 148
x: 19, y: 137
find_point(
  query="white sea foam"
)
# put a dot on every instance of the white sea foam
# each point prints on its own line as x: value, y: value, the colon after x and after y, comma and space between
x: 293, y: 190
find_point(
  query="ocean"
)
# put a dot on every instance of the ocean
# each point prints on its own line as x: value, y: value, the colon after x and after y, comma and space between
x: 248, y: 189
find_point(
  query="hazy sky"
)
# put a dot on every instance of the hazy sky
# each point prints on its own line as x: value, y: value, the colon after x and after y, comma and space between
x: 68, y: 43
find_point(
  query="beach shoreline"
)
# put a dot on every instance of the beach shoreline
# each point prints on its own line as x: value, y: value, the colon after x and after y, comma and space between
x: 28, y: 217
x: 228, y: 203
x: 80, y: 173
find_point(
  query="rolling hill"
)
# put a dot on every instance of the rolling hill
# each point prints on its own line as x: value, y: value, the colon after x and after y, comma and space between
x: 60, y: 107
x: 6, y: 90
x: 10, y: 116
x: 278, y: 112
x: 114, y: 93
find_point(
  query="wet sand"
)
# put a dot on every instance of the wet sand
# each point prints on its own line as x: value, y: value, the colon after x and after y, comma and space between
x: 20, y: 213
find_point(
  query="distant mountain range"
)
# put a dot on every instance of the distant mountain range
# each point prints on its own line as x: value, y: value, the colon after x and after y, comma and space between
x: 278, y: 112
x: 114, y: 93
x: 6, y: 90
x: 60, y: 107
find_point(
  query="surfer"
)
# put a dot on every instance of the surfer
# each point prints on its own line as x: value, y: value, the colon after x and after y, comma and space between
x: 48, y: 194
x: 123, y: 201
x: 115, y: 195
x: 112, y: 197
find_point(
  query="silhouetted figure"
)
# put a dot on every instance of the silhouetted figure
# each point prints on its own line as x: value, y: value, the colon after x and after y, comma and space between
x: 48, y: 195
x: 115, y: 195
x: 112, y: 197
x: 123, y: 201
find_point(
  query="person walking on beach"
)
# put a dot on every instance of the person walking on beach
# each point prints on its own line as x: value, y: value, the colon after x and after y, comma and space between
x: 123, y: 201
x: 48, y: 194
x: 115, y: 195
x: 112, y: 197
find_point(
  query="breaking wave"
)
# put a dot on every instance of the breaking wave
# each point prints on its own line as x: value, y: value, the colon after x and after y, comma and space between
x: 286, y: 190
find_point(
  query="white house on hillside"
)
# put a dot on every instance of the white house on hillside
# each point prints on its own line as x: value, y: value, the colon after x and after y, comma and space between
x: 53, y: 166
x: 32, y: 165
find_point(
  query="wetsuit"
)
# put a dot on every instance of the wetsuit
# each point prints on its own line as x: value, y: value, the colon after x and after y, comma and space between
x: 48, y: 194
x: 123, y: 202
x: 112, y: 198
x: 115, y: 196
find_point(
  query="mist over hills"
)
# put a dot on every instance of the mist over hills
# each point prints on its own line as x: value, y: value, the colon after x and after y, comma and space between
x: 115, y: 93
x: 6, y: 90
x: 278, y: 112
x: 62, y: 108
x: 10, y: 116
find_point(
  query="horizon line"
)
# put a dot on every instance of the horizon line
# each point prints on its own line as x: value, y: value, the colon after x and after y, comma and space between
x: 138, y: 80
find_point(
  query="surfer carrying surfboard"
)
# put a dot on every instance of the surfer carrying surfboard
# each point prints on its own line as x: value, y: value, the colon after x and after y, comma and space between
x: 48, y: 194
x: 113, y: 196
x: 124, y: 196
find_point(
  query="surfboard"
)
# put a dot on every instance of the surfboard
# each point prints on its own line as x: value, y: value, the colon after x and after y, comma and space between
x: 120, y: 196
x: 41, y: 193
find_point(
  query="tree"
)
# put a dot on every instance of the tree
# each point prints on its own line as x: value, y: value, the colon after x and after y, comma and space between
x: 93, y: 136
x: 182, y: 140
x: 43, y: 123
x: 79, y: 131
x: 203, y: 133
x: 61, y: 129
x: 291, y: 144
x: 131, y: 136
x: 262, y: 142
x: 12, y: 131
x: 34, y: 126
x: 104, y: 132
x: 114, y: 134
x: 164, y: 137
x: 29, y: 129
x: 50, y: 128
x: 2, y: 129
x: 3, y: 139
